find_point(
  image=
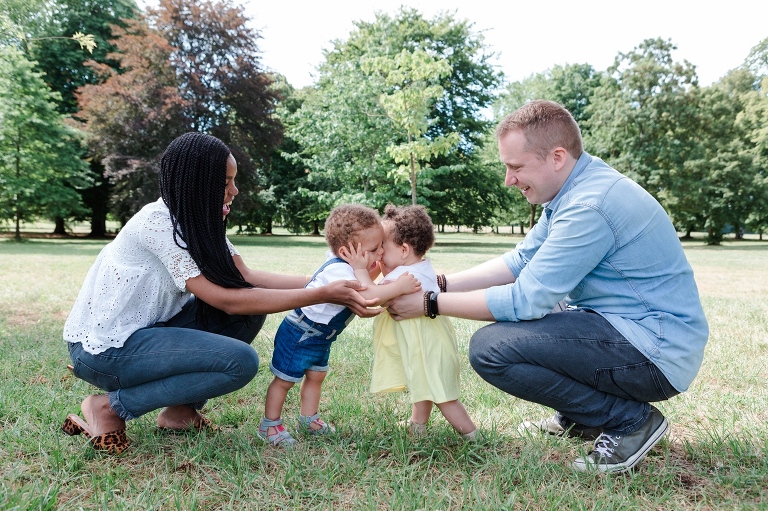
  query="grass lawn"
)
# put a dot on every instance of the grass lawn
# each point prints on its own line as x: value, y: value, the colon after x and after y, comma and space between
x: 715, y: 457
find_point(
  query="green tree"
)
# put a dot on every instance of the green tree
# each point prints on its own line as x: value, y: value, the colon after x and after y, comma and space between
x: 646, y: 119
x: 757, y: 61
x: 337, y: 139
x: 754, y: 121
x: 342, y: 116
x: 571, y: 85
x: 40, y: 167
x: 64, y: 64
x: 410, y: 78
x: 283, y: 193
x: 51, y: 34
x: 724, y: 170
x: 61, y: 59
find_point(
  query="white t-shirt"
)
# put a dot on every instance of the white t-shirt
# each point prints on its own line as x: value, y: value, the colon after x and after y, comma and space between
x: 137, y: 280
x: 324, y: 312
x: 422, y: 270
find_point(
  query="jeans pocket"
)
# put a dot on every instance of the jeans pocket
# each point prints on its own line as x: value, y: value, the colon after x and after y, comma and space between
x: 639, y: 382
x: 104, y: 381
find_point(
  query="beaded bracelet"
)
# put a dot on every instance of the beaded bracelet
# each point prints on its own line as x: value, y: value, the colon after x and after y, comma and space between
x: 441, y: 283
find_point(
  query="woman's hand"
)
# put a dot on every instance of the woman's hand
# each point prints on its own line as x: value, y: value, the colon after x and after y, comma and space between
x: 345, y: 292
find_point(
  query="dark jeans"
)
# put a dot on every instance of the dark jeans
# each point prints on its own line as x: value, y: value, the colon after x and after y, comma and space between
x: 575, y: 362
x: 173, y: 363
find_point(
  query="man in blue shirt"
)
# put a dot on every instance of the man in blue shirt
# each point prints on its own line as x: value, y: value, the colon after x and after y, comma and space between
x: 633, y: 330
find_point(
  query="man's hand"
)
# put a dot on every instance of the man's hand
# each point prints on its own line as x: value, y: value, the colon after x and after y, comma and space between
x: 406, y: 306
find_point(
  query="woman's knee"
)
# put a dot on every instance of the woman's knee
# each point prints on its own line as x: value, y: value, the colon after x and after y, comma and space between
x: 248, y: 362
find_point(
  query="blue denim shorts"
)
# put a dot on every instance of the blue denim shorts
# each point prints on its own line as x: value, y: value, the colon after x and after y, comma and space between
x: 300, y: 347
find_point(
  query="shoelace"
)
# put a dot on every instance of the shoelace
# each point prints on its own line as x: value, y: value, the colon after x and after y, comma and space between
x: 605, y: 444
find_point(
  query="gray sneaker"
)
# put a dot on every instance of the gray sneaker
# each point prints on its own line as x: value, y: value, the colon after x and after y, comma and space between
x: 560, y: 426
x: 614, y: 453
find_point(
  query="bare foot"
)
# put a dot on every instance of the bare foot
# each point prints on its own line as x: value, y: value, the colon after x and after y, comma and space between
x: 101, y: 418
x: 179, y: 417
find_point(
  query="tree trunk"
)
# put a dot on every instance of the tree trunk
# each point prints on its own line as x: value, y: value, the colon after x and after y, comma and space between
x: 59, y: 228
x: 532, y: 220
x: 17, y: 236
x: 413, y: 179
x: 97, y: 199
x: 98, y: 224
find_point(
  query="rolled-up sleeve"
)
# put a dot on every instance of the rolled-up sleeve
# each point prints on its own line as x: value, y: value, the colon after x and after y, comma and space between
x: 545, y: 274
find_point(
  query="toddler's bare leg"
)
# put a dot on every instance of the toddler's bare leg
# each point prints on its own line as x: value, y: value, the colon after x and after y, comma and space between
x: 457, y: 416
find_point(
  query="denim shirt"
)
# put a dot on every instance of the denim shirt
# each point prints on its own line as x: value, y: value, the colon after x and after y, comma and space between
x: 605, y: 244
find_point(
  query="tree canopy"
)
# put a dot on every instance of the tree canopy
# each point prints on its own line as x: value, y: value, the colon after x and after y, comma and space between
x: 403, y: 111
x: 40, y: 165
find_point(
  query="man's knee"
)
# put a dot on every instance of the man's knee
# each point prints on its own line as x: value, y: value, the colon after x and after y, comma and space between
x: 479, y: 350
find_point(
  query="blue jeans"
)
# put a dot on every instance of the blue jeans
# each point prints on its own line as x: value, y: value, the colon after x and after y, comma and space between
x: 178, y: 362
x: 575, y: 362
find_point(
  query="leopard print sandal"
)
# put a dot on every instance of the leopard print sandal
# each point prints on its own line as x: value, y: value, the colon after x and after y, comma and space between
x: 114, y: 442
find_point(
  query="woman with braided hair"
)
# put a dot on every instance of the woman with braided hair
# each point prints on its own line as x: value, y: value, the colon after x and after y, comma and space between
x: 167, y: 312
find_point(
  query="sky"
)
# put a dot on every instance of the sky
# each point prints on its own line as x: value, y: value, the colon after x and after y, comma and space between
x: 528, y: 37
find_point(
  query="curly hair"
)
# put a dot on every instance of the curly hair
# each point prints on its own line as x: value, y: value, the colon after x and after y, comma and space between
x: 412, y: 225
x: 193, y: 172
x: 345, y: 221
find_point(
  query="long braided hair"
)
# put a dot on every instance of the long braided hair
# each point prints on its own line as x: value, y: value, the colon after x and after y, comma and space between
x: 193, y: 173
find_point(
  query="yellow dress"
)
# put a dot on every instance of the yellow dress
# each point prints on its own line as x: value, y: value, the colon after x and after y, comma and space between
x: 418, y: 354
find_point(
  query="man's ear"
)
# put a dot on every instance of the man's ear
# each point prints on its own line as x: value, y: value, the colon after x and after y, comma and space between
x: 560, y: 156
x: 344, y: 253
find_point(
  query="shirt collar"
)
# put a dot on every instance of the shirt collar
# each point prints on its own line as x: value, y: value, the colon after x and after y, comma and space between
x: 581, y: 164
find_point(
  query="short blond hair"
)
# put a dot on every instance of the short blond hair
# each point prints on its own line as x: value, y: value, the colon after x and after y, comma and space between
x: 345, y: 221
x: 545, y: 125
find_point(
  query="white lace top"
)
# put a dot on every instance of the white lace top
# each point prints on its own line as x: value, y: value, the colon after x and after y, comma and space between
x: 138, y: 279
